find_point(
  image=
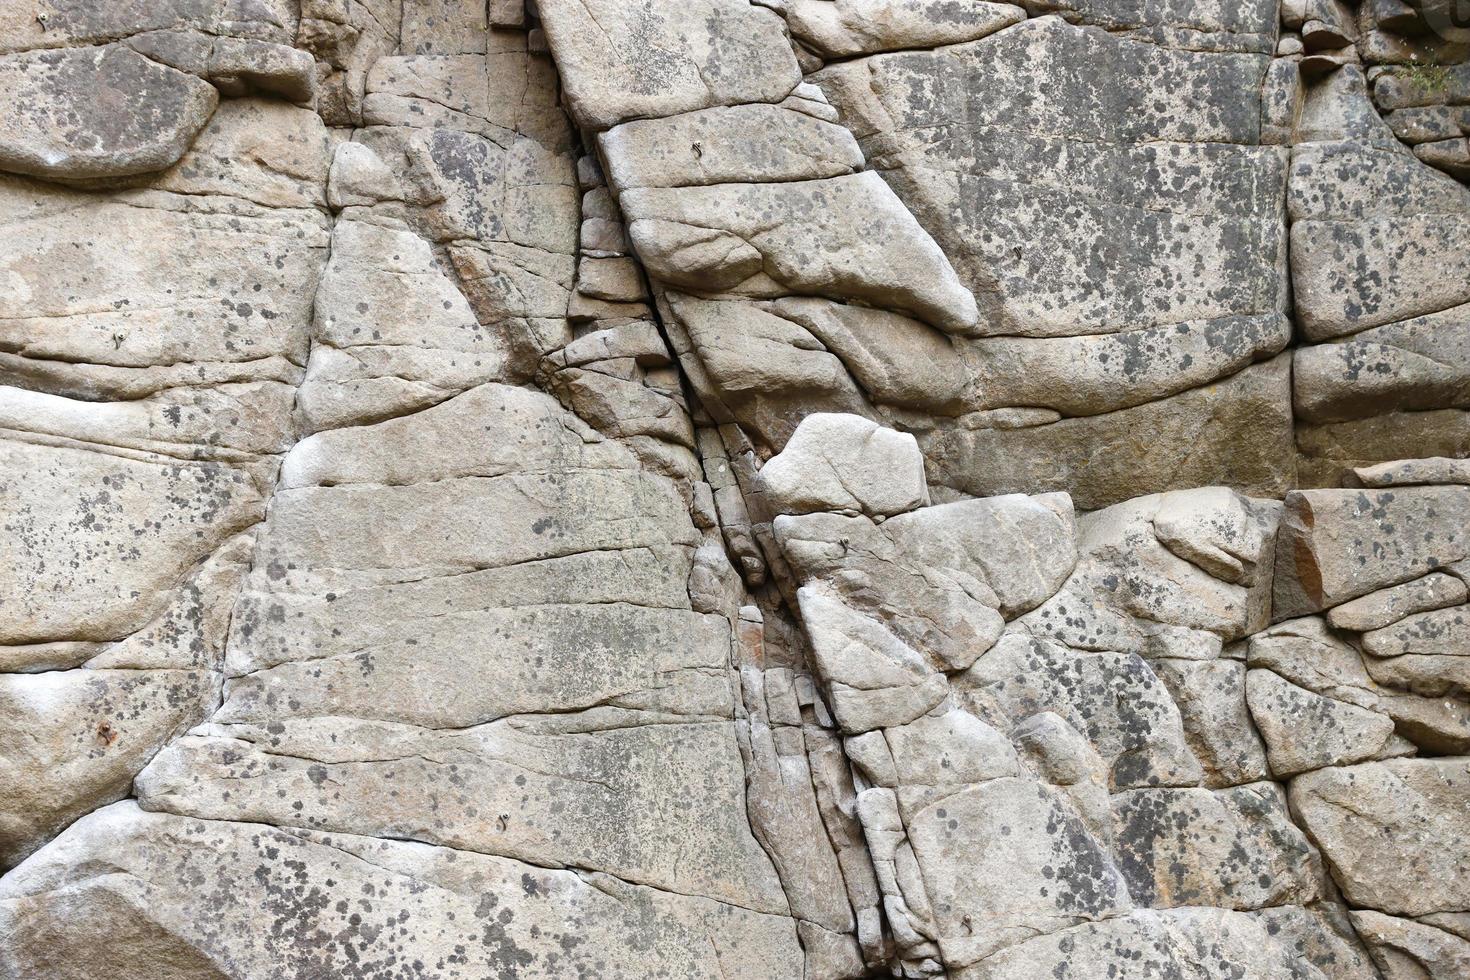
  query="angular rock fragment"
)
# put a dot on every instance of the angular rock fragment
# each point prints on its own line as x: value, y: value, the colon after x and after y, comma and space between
x: 1411, y: 471
x: 843, y: 237
x: 1403, y: 948
x: 1113, y: 699
x: 1418, y: 805
x: 1039, y: 872
x: 1386, y: 607
x: 740, y: 144
x: 625, y: 60
x: 1337, y: 545
x: 1212, y: 698
x: 1305, y: 731
x: 845, y: 463
x: 1427, y: 653
x: 874, y: 679
x: 940, y: 577
x: 1310, y: 656
x: 857, y: 27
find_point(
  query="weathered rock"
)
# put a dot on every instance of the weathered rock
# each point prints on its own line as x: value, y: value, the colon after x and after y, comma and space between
x: 1002, y: 145
x: 1419, y: 805
x: 1212, y: 943
x: 1418, y: 365
x: 874, y: 679
x: 736, y: 144
x: 1232, y: 848
x: 1212, y: 697
x: 1236, y: 433
x: 1153, y: 592
x: 1374, y: 227
x: 1113, y: 699
x: 1305, y: 731
x: 1306, y: 653
x: 845, y: 463
x: 895, y: 359
x: 1404, y: 948
x: 941, y: 578
x: 1427, y: 653
x: 74, y: 740
x: 844, y: 237
x: 1331, y: 451
x: 1387, y: 606
x: 1411, y: 471
x: 1031, y: 880
x: 77, y: 568
x: 1337, y: 545
x: 625, y: 60
x: 135, y: 281
x: 854, y: 27
x: 486, y: 545
x: 95, y: 113
x: 1093, y: 375
x: 475, y: 914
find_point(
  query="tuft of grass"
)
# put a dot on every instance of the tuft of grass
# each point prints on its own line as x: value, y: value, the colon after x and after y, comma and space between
x: 1429, y: 78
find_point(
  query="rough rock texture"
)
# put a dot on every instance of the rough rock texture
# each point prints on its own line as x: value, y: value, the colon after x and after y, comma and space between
x: 797, y: 488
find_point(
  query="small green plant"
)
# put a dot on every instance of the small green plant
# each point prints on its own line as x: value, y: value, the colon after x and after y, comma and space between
x: 1429, y: 78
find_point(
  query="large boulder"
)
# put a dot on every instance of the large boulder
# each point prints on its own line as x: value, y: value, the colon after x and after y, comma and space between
x: 80, y: 114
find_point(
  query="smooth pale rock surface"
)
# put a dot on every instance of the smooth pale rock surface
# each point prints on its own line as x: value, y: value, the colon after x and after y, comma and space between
x: 942, y: 578
x: 74, y: 740
x: 1417, y: 802
x: 94, y: 113
x: 845, y: 463
x: 842, y: 237
x: 715, y: 146
x: 875, y: 680
x: 845, y: 28
x: 1034, y: 880
x: 716, y: 52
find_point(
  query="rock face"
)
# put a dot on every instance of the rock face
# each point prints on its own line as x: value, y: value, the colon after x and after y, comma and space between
x: 807, y: 488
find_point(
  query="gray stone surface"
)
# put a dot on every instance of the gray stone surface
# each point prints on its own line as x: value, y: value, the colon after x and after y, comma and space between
x: 625, y: 60
x: 1418, y: 803
x: 794, y: 488
x: 93, y: 113
x: 1338, y: 545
